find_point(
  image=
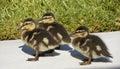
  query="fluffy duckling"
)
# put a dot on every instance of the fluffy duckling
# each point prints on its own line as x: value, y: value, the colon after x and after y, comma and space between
x: 88, y: 45
x: 38, y: 39
x: 57, y: 30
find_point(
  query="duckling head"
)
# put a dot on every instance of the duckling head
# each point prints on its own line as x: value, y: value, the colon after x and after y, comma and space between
x: 28, y: 25
x: 81, y: 32
x: 47, y: 18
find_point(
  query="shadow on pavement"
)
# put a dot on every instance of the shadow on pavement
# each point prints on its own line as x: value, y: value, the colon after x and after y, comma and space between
x: 30, y: 51
x: 78, y: 55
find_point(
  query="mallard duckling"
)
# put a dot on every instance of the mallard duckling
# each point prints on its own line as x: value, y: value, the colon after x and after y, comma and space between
x: 57, y: 30
x: 88, y: 45
x: 38, y: 39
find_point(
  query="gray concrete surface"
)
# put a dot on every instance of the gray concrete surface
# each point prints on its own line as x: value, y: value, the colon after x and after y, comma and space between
x: 13, y: 55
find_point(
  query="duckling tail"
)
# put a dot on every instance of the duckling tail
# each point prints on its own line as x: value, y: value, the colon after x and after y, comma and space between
x: 107, y: 54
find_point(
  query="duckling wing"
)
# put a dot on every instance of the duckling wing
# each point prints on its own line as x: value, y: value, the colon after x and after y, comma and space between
x: 45, y: 37
x: 43, y: 40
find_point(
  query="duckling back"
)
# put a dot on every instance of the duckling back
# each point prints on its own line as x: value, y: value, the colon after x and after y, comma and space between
x: 58, y: 32
x: 98, y: 46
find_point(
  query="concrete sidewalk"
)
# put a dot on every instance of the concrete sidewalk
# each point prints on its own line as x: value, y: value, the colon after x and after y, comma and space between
x: 13, y: 55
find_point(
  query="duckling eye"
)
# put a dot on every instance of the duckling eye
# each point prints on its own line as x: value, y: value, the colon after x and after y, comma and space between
x: 27, y: 23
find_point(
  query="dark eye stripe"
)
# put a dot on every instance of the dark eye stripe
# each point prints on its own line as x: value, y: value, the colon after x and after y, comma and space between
x: 26, y: 24
x: 45, y: 18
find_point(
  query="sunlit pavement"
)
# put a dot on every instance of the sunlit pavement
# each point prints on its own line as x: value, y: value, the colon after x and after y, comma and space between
x: 13, y: 55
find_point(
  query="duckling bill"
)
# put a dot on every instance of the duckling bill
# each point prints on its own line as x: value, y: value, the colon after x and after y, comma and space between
x: 57, y: 30
x: 38, y: 39
x: 88, y: 45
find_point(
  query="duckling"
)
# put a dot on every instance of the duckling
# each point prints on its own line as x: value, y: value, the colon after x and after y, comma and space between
x: 88, y: 45
x: 57, y: 30
x: 38, y: 39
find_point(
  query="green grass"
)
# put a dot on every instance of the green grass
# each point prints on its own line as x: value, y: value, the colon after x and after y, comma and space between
x: 98, y: 15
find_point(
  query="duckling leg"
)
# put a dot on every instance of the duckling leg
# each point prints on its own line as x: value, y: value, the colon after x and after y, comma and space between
x: 40, y: 54
x: 87, y: 59
x: 87, y: 62
x: 49, y: 51
x: 36, y: 55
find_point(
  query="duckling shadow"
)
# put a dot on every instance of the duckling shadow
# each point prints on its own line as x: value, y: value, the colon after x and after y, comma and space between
x: 78, y: 55
x: 30, y: 51
x: 65, y: 47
